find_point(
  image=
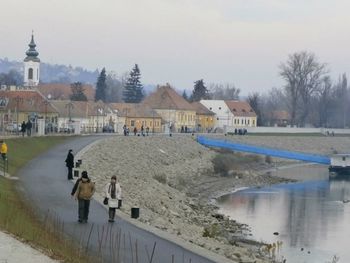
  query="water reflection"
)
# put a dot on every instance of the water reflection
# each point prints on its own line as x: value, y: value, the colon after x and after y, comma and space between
x: 312, y: 217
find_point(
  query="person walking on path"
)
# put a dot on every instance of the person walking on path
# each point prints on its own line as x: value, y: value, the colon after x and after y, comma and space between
x: 70, y: 164
x: 29, y: 128
x: 75, y: 187
x: 3, y: 150
x: 23, y: 128
x: 84, y: 193
x: 114, y: 194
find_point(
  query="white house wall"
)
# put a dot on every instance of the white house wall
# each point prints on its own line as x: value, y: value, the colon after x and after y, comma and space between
x: 223, y: 115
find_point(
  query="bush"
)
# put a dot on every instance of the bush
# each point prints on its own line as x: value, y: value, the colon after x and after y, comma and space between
x: 223, y: 163
x: 162, y: 178
x: 268, y: 159
x: 212, y: 231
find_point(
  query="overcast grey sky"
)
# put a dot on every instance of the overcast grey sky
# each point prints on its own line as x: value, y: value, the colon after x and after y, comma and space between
x: 180, y: 41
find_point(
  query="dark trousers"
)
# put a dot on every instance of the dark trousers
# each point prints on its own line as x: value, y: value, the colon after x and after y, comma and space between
x: 70, y: 173
x: 83, y: 210
x: 111, y: 213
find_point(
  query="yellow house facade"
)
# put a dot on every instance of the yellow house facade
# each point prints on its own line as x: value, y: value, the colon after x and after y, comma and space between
x: 135, y: 115
x: 175, y: 111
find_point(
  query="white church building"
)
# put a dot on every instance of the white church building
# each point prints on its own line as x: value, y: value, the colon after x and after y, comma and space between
x: 31, y: 66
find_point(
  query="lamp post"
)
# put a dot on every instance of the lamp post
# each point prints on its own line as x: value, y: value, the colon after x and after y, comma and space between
x: 45, y: 105
x: 18, y: 99
x: 153, y: 122
x: 126, y: 115
x: 70, y: 106
x: 98, y: 109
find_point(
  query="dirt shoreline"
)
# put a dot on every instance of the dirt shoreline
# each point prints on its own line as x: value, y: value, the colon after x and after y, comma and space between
x: 171, y: 179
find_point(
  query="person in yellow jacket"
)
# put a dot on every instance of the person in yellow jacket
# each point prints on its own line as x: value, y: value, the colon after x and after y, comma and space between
x: 83, y: 194
x: 3, y: 150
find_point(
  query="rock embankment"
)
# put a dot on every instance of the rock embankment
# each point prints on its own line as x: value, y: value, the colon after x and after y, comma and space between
x: 170, y: 179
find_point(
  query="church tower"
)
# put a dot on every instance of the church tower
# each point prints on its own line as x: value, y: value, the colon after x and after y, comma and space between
x: 31, y: 66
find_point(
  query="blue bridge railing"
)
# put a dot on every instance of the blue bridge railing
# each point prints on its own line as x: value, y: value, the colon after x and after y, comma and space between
x: 262, y: 150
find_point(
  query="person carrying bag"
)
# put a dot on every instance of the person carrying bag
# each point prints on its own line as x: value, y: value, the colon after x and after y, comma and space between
x: 113, y: 195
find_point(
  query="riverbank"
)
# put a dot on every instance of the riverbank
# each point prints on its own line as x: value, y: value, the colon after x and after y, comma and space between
x: 171, y: 179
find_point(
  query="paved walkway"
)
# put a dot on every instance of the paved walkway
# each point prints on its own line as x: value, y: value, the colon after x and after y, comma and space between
x: 43, y: 182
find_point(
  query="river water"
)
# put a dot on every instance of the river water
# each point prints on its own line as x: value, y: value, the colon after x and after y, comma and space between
x: 311, y: 217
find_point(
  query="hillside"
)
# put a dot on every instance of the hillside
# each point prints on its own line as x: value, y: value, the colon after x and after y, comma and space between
x: 54, y: 73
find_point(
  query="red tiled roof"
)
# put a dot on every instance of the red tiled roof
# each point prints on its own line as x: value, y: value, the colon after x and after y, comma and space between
x: 80, y: 109
x: 167, y: 98
x: 240, y: 108
x: 136, y: 110
x: 25, y: 101
x: 60, y: 91
x: 201, y: 109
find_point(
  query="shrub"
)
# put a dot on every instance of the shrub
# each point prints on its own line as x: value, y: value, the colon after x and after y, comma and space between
x: 212, y: 231
x: 161, y: 177
x: 268, y: 159
x: 223, y: 163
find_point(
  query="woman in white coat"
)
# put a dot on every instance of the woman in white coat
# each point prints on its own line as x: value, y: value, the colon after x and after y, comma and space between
x: 113, y: 193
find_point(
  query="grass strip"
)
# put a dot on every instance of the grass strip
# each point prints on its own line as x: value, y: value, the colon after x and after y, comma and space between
x: 19, y: 219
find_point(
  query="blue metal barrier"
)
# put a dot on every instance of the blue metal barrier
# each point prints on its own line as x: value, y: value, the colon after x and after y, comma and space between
x: 262, y: 150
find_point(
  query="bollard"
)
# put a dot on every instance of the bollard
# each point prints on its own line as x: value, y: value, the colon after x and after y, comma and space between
x: 119, y: 203
x: 135, y: 212
x: 76, y: 173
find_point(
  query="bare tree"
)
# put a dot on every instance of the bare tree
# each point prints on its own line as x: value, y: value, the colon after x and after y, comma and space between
x: 303, y: 74
x: 324, y: 101
x: 254, y: 100
x: 274, y: 100
x: 226, y: 91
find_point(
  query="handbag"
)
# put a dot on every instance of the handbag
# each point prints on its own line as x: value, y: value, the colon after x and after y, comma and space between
x: 105, y: 201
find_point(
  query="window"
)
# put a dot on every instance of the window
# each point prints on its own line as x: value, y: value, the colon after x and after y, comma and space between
x: 344, y: 159
x: 219, y: 108
x: 243, y: 110
x: 242, y: 121
x: 217, y: 118
x: 233, y: 109
x: 248, y: 122
x: 30, y: 73
x: 253, y: 122
x: 132, y: 123
x: 210, y: 108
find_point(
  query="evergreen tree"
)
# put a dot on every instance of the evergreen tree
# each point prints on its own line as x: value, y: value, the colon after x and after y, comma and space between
x: 184, y: 95
x: 101, y: 86
x: 200, y: 91
x: 133, y: 89
x: 77, y: 92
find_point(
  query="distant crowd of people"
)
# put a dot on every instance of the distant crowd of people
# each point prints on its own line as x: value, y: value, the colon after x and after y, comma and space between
x: 142, y: 132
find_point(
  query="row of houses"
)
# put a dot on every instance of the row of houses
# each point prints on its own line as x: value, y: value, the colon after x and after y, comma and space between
x: 162, y: 111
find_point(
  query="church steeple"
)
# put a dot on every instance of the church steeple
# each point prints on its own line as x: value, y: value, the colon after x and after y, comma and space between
x: 31, y: 65
x: 32, y: 54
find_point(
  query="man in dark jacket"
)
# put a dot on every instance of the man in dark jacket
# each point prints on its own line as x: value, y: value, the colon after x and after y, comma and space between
x: 29, y: 128
x: 23, y: 128
x: 83, y: 194
x: 70, y: 164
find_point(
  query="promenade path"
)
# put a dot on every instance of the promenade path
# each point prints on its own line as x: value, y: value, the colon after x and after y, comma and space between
x: 44, y: 184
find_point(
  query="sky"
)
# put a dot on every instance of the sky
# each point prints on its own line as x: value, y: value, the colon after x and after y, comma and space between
x: 179, y: 41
